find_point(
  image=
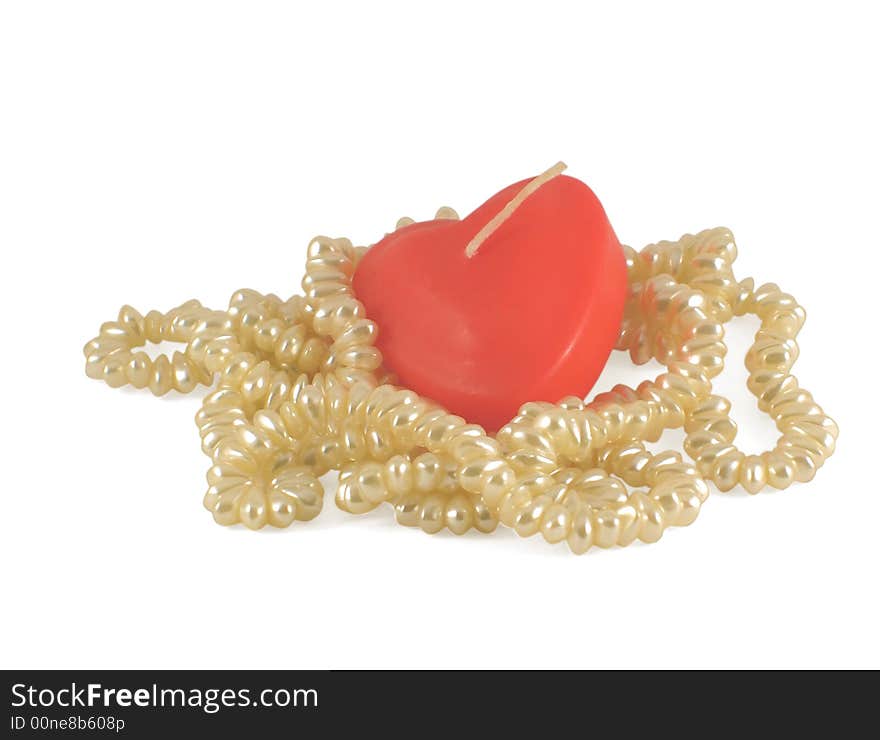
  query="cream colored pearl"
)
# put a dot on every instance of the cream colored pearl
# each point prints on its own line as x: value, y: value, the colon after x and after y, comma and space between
x: 726, y: 470
x: 161, y: 378
x: 780, y: 469
x: 459, y: 514
x: 753, y: 473
x: 580, y: 538
x: 445, y: 212
x: 432, y: 514
x: 137, y: 371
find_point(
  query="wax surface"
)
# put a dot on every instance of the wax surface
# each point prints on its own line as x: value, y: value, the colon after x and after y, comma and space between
x: 532, y: 316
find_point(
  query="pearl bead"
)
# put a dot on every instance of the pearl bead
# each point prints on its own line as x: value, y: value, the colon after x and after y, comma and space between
x: 752, y: 473
x: 459, y: 514
x: 137, y: 371
x: 725, y: 473
x: 432, y: 514
x: 780, y: 469
x: 580, y: 538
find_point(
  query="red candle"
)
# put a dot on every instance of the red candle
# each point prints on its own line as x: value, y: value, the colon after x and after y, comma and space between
x: 520, y: 301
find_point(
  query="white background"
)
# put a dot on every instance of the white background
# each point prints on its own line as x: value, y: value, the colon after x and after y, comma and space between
x: 153, y: 152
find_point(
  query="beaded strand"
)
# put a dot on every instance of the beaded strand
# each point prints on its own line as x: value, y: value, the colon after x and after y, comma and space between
x: 301, y: 390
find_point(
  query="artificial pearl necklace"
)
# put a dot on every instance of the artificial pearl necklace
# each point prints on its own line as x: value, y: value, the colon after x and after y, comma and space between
x: 301, y: 391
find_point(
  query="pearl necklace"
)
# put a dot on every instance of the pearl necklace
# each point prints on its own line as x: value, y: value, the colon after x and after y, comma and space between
x: 301, y: 391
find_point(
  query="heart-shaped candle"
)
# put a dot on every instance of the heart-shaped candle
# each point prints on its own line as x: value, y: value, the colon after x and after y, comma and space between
x: 520, y: 301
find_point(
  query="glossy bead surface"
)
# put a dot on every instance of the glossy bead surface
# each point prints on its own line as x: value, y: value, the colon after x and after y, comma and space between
x: 300, y: 389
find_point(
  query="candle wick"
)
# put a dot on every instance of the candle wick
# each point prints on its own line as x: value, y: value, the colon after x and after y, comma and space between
x: 515, y: 202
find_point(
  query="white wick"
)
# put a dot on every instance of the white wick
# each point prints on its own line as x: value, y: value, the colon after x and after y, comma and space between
x: 515, y: 202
